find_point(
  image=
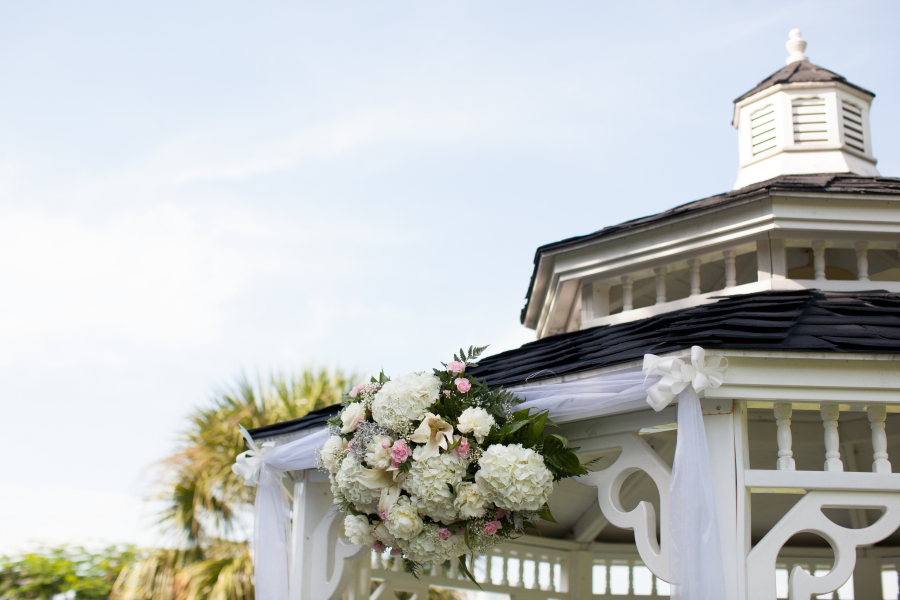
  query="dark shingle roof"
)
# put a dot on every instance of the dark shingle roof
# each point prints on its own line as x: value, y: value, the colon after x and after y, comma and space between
x: 797, y: 72
x: 824, y: 182
x: 799, y: 321
x: 803, y: 320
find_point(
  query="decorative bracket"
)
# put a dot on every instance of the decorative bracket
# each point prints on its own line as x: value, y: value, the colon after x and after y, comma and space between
x: 332, y: 558
x: 807, y: 516
x: 637, y: 455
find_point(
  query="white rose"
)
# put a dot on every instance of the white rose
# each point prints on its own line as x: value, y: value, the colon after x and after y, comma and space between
x: 476, y: 420
x: 377, y: 455
x: 351, y: 417
x: 358, y: 530
x: 514, y: 478
x: 329, y: 452
x: 405, y: 399
x: 470, y: 501
x: 404, y: 521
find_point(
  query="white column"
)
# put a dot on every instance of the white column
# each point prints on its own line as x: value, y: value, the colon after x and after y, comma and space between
x: 783, y: 423
x: 660, y: 284
x: 862, y: 261
x: 720, y: 438
x: 877, y: 415
x: 730, y: 268
x: 694, y: 265
x: 867, y: 579
x: 627, y: 293
x: 830, y: 414
x: 819, y: 259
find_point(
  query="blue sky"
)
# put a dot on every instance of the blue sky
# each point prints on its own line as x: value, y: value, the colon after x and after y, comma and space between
x: 193, y: 191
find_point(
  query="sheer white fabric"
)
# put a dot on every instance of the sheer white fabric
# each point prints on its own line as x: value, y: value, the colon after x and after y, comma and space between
x: 696, y: 558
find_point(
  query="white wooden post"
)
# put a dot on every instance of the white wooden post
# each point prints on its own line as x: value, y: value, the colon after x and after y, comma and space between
x: 730, y: 268
x: 718, y: 420
x: 627, y: 293
x: 660, y: 284
x: 862, y: 261
x: 783, y: 423
x: 694, y: 264
x: 877, y: 415
x: 867, y: 579
x: 819, y: 259
x: 830, y: 414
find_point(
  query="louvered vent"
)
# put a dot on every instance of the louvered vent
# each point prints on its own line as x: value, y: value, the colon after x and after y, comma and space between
x: 853, y: 126
x: 809, y: 120
x: 762, y: 130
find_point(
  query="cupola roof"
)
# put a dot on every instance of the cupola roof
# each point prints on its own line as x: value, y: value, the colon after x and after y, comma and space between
x: 801, y: 71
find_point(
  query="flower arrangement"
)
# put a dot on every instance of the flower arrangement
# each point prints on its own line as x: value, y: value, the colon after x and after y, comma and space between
x: 434, y: 466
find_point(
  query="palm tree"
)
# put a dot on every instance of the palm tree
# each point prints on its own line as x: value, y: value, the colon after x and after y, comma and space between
x: 206, y: 501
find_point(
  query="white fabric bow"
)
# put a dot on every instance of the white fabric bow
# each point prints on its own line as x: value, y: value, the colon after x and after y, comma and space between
x: 251, y: 464
x: 678, y: 375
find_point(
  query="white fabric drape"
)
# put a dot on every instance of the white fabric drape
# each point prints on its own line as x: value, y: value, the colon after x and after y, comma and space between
x: 696, y: 569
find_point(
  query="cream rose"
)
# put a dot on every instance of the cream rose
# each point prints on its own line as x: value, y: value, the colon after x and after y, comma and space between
x: 358, y: 530
x: 470, y: 501
x: 351, y: 416
x: 404, y: 521
x: 378, y: 455
x: 329, y: 452
x: 476, y: 420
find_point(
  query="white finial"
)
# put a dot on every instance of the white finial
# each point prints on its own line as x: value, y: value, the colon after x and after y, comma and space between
x: 795, y: 47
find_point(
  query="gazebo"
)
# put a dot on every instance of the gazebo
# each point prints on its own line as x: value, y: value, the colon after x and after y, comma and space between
x: 793, y: 278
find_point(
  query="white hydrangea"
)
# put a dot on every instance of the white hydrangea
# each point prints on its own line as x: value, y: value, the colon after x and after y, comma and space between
x: 428, y: 547
x: 377, y: 456
x: 470, y: 501
x: 404, y: 521
x: 405, y: 399
x: 514, y: 478
x: 358, y: 530
x: 330, y: 451
x: 347, y: 481
x: 478, y: 421
x: 429, y: 482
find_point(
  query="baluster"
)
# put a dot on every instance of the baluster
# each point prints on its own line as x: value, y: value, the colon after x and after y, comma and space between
x: 454, y: 569
x: 521, y: 571
x: 877, y: 415
x: 395, y: 566
x: 627, y: 293
x: 694, y: 265
x: 830, y: 416
x: 660, y: 284
x: 819, y: 259
x: 505, y: 579
x: 630, y: 578
x: 608, y: 577
x: 862, y: 261
x: 783, y: 413
x: 552, y: 574
x: 537, y: 573
x: 730, y: 268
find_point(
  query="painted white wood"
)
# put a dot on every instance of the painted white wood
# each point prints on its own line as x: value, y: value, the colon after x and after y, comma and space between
x: 763, y: 480
x: 660, y: 273
x: 877, y: 416
x: 627, y: 292
x: 795, y: 46
x: 783, y: 424
x: 807, y: 516
x: 730, y: 269
x: 830, y: 414
x: 636, y: 455
x: 720, y: 437
x: 694, y: 265
x: 862, y: 261
x: 819, y: 260
x: 743, y: 499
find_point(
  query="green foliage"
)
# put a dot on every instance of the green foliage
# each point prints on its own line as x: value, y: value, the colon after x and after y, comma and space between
x: 48, y: 572
x: 205, y: 499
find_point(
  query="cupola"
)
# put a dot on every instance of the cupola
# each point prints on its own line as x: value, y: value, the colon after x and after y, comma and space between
x: 801, y: 120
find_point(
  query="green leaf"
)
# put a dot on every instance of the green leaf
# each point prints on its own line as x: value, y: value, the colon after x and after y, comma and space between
x: 545, y: 513
x: 465, y: 569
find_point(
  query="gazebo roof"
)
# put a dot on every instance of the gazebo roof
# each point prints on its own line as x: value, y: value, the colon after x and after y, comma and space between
x: 798, y: 321
x: 800, y: 72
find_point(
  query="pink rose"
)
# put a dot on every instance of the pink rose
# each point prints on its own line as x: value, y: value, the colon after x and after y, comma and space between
x: 463, y: 449
x: 463, y: 384
x: 378, y: 546
x: 455, y: 367
x: 386, y: 444
x: 400, y: 452
x: 396, y: 551
x: 356, y: 390
x: 501, y: 513
x: 444, y: 533
x: 492, y: 527
x: 447, y: 393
